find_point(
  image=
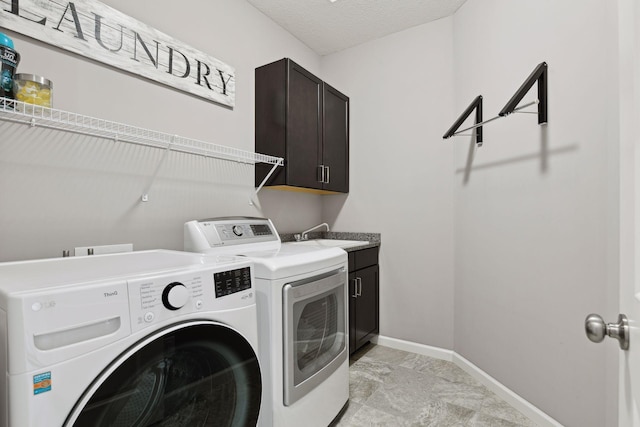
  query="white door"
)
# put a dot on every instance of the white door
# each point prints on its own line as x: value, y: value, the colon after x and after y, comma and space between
x: 629, y: 367
x: 629, y: 210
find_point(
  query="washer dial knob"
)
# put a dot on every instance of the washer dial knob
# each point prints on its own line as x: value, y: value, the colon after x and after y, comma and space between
x: 175, y: 296
x: 237, y: 230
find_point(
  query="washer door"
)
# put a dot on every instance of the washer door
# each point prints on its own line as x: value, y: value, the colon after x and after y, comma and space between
x: 192, y: 374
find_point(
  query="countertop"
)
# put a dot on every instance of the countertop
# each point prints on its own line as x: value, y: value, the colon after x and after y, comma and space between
x: 373, y: 238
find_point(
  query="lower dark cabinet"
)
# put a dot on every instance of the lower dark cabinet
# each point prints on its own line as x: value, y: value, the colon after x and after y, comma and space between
x: 364, y: 279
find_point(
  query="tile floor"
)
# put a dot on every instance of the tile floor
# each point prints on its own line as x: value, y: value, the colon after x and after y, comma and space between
x: 390, y: 387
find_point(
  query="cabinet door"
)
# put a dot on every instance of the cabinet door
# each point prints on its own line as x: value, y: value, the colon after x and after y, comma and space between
x: 270, y: 118
x: 352, y: 313
x: 304, y: 128
x: 366, y: 315
x: 335, y: 142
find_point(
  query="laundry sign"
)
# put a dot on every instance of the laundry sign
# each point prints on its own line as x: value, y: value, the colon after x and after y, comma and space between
x: 97, y: 31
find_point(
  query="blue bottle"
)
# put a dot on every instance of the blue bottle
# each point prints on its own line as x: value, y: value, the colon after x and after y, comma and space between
x: 9, y: 59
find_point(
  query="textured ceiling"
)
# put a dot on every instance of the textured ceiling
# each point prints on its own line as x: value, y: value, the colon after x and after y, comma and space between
x: 330, y: 27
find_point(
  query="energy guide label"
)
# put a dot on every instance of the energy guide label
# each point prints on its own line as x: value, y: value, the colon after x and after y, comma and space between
x: 42, y: 383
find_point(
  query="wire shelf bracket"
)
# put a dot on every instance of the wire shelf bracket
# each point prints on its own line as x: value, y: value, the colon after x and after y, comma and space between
x: 50, y: 118
x: 539, y: 76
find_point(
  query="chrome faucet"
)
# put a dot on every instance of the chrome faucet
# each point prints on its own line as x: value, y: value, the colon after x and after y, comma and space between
x: 305, y: 234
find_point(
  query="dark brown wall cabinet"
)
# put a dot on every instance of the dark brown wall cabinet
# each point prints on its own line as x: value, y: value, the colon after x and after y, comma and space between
x: 305, y: 121
x: 364, y: 294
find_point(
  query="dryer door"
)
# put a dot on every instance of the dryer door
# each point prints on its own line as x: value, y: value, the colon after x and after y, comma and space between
x: 315, y: 334
x: 192, y: 374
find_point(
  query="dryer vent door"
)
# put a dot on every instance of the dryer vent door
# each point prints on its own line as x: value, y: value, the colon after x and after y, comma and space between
x: 194, y: 374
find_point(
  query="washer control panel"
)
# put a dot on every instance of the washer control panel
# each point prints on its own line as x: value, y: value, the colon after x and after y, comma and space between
x: 161, y: 297
x: 231, y: 281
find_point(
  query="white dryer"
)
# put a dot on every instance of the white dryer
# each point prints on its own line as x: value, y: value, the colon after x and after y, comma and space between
x: 160, y: 338
x: 302, y: 313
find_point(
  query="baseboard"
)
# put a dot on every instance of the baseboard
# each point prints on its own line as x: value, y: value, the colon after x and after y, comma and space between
x: 522, y: 405
x: 426, y: 350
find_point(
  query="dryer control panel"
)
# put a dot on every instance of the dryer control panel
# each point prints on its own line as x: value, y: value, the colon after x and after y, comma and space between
x: 203, y: 235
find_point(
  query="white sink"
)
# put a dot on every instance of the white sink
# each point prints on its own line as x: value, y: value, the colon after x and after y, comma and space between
x: 331, y: 243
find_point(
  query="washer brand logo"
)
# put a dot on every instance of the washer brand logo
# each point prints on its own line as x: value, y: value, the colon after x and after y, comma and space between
x: 110, y: 294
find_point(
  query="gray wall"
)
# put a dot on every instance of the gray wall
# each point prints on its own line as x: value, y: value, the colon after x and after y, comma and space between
x: 401, y: 186
x: 533, y: 215
x: 535, y: 207
x: 61, y: 190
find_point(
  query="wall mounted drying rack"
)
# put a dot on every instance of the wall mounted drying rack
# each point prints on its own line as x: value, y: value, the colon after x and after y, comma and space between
x: 36, y: 116
x: 539, y: 75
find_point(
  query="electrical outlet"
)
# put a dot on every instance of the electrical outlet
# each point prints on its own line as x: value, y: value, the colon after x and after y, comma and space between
x: 105, y: 249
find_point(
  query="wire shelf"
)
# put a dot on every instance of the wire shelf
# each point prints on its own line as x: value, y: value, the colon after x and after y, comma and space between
x: 33, y: 115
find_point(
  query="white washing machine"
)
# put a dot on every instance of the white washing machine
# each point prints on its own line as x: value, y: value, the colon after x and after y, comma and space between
x: 302, y: 317
x: 160, y: 338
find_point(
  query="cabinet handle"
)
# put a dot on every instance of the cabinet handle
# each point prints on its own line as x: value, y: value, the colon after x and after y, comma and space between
x: 358, y: 286
x: 355, y: 288
x: 327, y: 176
x: 320, y: 175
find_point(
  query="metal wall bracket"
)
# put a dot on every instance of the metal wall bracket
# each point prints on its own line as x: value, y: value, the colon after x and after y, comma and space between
x: 539, y: 75
x: 476, y: 105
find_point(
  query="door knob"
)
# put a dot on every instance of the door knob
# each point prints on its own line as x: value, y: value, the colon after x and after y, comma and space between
x: 596, y: 329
